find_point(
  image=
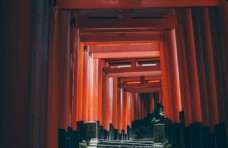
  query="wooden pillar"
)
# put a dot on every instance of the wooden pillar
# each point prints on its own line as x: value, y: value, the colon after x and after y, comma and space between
x: 119, y: 105
x: 165, y: 89
x: 74, y: 47
x: 104, y: 102
x: 53, y: 82
x: 90, y: 89
x: 127, y: 109
x: 142, y: 107
x: 139, y: 106
x: 210, y: 68
x: 148, y: 104
x: 201, y: 64
x: 192, y: 66
x: 136, y: 106
x: 183, y: 71
x: 107, y: 116
x: 80, y: 82
x: 173, y: 77
x: 132, y: 109
x: 59, y: 108
x: 123, y: 109
x: 95, y: 89
x: 151, y: 102
x: 110, y: 99
x: 160, y: 96
x: 100, y: 90
x: 224, y: 22
x: 219, y: 61
x: 64, y: 71
x: 38, y: 64
x: 85, y: 90
x: 115, y: 103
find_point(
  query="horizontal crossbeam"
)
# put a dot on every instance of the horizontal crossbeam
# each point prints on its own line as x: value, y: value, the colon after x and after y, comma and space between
x: 82, y: 4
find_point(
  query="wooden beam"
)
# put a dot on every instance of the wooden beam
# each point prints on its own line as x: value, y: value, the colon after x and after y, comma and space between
x: 138, y: 54
x: 130, y: 74
x: 169, y: 21
x: 82, y: 4
x: 109, y: 70
x: 144, y: 90
x: 88, y: 32
x: 120, y: 37
x: 133, y: 79
x: 153, y: 46
x: 140, y: 85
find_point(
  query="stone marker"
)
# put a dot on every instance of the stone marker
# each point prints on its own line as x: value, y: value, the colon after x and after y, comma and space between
x: 111, y: 132
x: 91, y: 130
x: 129, y: 132
x: 116, y: 134
x: 93, y: 143
x: 159, y: 133
x: 81, y: 130
x: 122, y: 134
x: 101, y: 132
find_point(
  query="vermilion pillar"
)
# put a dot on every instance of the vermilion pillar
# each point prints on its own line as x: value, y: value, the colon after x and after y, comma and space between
x: 64, y: 72
x: 85, y: 91
x: 183, y: 72
x: 90, y: 87
x: 115, y: 112
x: 95, y: 89
x: 123, y: 109
x: 142, y: 107
x: 80, y: 82
x: 53, y: 83
x: 165, y: 88
x: 136, y: 106
x: 209, y: 64
x: 173, y: 77
x: 74, y: 44
x: 160, y: 96
x: 100, y: 90
x: 132, y: 109
x: 119, y: 106
x: 192, y: 66
x: 201, y: 65
x: 107, y: 101
x: 104, y: 102
x: 139, y: 105
x: 127, y: 116
x: 110, y: 99
x: 224, y: 29
x: 151, y: 102
x: 219, y: 61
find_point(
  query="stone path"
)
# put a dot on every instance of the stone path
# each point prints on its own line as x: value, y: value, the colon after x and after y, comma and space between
x: 134, y: 143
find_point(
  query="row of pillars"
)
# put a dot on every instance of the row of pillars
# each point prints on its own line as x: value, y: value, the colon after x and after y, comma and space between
x: 200, y: 75
x: 190, y: 80
x: 188, y: 49
x: 197, y: 51
x: 97, y: 96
